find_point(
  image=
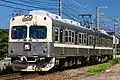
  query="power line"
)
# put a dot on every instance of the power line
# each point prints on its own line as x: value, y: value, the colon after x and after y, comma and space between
x: 70, y: 9
x: 80, y: 4
x: 51, y: 1
x: 22, y: 4
x: 70, y: 16
x: 14, y: 7
x: 43, y: 3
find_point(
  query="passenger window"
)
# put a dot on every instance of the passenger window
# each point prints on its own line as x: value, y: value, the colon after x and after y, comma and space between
x: 91, y: 40
x: 76, y: 38
x: 56, y: 35
x: 85, y: 38
x: 70, y: 36
x: 73, y: 37
x: 61, y: 35
x: 80, y: 38
x: 66, y: 36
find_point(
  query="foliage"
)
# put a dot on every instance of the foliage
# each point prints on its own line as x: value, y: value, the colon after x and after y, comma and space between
x: 104, y: 66
x: 99, y: 68
x: 114, y: 61
x: 3, y: 41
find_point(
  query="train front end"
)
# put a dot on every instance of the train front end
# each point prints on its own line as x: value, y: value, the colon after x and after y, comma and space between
x: 30, y: 43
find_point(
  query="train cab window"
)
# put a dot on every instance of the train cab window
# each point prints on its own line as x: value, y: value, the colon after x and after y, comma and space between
x: 19, y: 32
x: 56, y: 35
x: 38, y: 32
x: 66, y: 36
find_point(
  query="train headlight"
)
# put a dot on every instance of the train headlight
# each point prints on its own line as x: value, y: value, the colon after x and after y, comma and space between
x: 44, y: 51
x: 12, y: 50
x: 27, y: 47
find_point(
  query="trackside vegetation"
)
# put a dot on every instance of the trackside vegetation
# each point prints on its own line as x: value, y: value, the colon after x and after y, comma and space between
x: 3, y: 42
x: 103, y: 67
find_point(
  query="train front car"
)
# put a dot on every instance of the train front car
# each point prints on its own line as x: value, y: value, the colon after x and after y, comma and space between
x: 30, y: 43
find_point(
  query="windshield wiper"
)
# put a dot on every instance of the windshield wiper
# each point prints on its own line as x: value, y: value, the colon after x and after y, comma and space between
x: 33, y: 38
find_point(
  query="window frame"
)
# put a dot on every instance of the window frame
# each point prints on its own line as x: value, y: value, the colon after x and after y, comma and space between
x: 38, y: 26
x: 19, y: 26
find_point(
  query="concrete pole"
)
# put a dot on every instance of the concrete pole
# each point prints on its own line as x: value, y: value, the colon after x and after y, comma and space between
x: 60, y: 8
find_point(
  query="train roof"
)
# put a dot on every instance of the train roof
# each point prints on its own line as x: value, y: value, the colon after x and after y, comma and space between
x: 58, y: 18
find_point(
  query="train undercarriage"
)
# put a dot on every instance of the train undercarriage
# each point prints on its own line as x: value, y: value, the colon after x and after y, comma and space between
x: 32, y: 63
x: 45, y: 64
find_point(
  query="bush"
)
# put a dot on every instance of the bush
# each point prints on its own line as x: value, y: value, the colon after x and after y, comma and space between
x: 114, y: 61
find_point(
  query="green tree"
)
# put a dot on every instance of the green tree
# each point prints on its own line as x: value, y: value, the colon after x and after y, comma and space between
x: 3, y: 41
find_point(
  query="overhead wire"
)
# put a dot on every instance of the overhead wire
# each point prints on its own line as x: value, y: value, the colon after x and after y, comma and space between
x: 34, y: 2
x: 14, y: 7
x: 80, y: 5
x: 23, y: 4
x: 70, y: 12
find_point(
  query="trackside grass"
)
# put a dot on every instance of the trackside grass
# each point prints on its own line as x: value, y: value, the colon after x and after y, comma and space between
x: 103, y: 67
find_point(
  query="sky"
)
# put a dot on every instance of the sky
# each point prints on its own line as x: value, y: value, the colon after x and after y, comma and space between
x: 108, y: 8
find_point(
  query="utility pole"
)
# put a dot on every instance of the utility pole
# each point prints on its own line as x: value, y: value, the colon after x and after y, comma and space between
x: 114, y: 37
x: 97, y: 18
x: 115, y: 44
x: 60, y: 8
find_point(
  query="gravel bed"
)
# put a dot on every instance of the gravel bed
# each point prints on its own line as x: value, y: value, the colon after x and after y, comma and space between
x: 81, y: 74
x: 112, y: 74
x: 64, y: 75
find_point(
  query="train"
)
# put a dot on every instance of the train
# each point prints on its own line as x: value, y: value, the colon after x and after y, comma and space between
x: 40, y: 41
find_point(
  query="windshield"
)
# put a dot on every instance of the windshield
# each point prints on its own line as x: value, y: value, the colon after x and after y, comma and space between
x: 38, y: 32
x: 19, y: 32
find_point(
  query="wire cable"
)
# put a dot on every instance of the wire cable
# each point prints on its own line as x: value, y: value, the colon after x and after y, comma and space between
x: 23, y: 4
x: 14, y: 7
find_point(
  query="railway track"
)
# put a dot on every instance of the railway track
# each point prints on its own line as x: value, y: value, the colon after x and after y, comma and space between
x: 18, y: 76
x: 40, y: 75
x: 24, y: 76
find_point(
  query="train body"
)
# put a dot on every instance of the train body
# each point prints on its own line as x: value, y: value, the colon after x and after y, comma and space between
x: 41, y: 40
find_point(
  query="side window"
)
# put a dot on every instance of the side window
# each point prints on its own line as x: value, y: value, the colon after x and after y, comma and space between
x: 82, y: 38
x: 90, y: 39
x: 61, y: 35
x: 56, y: 34
x: 73, y: 37
x: 79, y: 38
x: 99, y: 41
x: 85, y: 38
x: 76, y: 38
x: 70, y: 36
x: 66, y: 36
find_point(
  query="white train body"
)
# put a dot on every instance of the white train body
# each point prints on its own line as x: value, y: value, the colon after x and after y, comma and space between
x: 41, y: 40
